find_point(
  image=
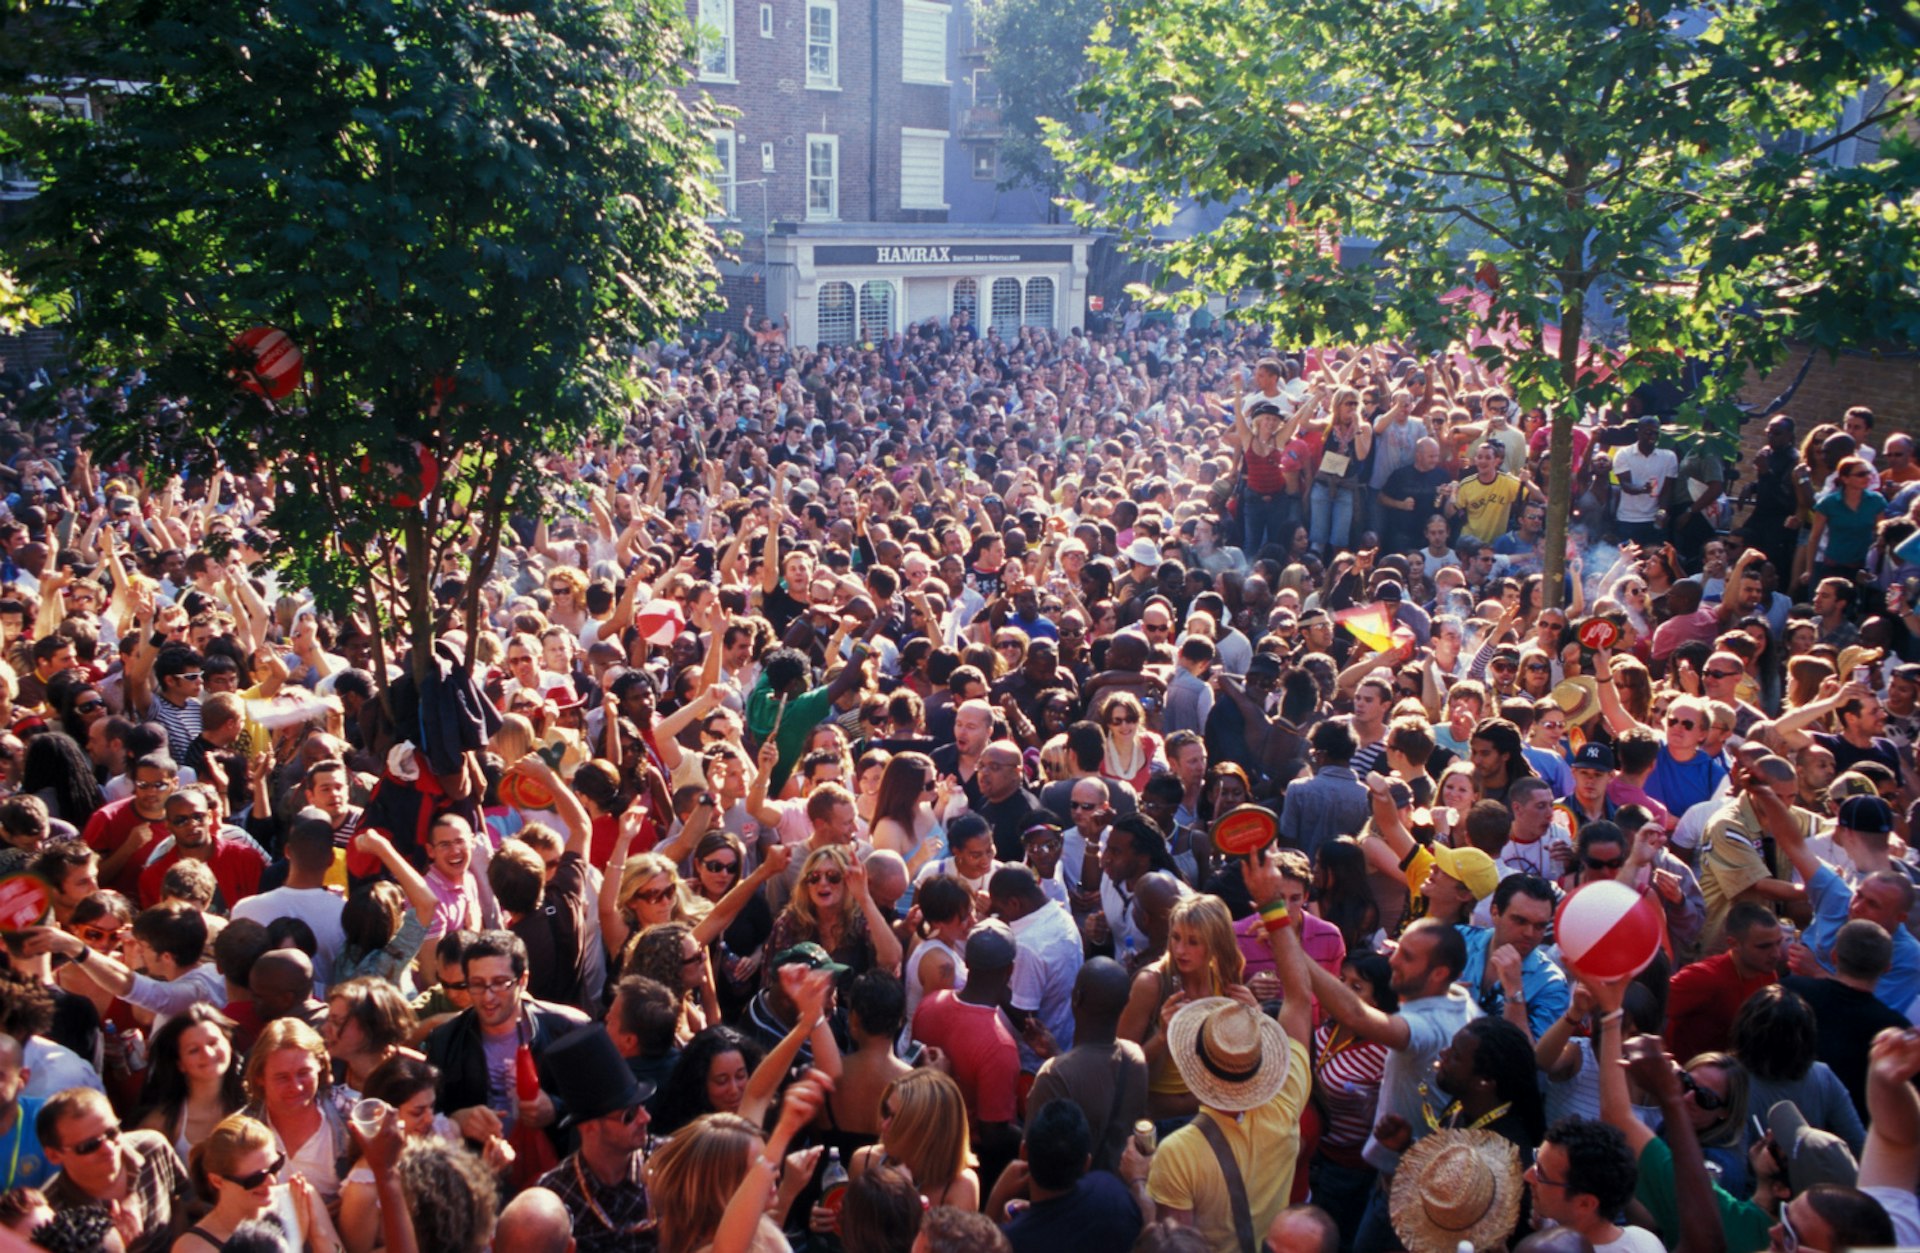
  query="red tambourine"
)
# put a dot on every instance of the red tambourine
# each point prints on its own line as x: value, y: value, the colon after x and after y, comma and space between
x: 23, y: 902
x: 1244, y: 830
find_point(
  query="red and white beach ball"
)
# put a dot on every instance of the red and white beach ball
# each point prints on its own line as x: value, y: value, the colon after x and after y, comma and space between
x: 660, y: 621
x: 1606, y: 930
x: 270, y: 363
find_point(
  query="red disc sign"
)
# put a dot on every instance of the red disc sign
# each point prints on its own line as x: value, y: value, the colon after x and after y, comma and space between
x: 1598, y: 633
x: 1244, y: 829
x: 23, y: 902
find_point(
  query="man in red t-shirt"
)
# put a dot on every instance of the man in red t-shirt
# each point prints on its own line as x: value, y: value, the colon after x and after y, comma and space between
x: 1704, y: 998
x: 236, y: 864
x: 121, y: 831
x: 981, y: 1053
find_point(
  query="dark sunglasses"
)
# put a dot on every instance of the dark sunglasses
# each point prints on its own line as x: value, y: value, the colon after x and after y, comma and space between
x: 93, y: 1144
x: 1688, y: 723
x: 1703, y: 1096
x: 258, y: 1177
x: 1608, y: 863
x: 823, y: 876
x: 88, y: 706
x: 720, y: 866
x: 1719, y: 674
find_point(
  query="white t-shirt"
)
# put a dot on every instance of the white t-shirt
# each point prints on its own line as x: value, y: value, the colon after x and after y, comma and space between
x: 319, y: 908
x: 1633, y: 1240
x: 1652, y: 469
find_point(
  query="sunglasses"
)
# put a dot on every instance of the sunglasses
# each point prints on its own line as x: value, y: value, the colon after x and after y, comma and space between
x: 97, y: 935
x: 1538, y: 666
x: 1719, y: 674
x: 452, y: 986
x: 824, y: 876
x: 720, y: 865
x: 258, y: 1177
x: 1605, y: 863
x: 1688, y: 723
x: 88, y: 706
x: 1708, y: 1100
x: 187, y: 820
x: 93, y: 1144
x: 1117, y: 719
x: 655, y: 896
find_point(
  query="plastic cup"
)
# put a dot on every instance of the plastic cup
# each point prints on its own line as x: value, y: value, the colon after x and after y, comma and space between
x: 368, y: 1114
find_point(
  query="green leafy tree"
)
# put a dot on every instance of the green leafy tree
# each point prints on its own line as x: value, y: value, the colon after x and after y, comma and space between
x: 1038, y: 55
x: 1633, y: 153
x: 465, y: 216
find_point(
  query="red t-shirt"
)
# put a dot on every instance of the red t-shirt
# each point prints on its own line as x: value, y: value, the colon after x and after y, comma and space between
x: 985, y: 1059
x: 108, y: 829
x: 236, y: 868
x: 1702, y: 1002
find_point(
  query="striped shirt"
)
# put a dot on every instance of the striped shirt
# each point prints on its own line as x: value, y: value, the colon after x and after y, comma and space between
x: 181, y: 721
x: 1347, y: 1076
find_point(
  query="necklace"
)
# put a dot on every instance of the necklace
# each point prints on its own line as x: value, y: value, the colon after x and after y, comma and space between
x: 1448, y: 1115
x: 593, y: 1204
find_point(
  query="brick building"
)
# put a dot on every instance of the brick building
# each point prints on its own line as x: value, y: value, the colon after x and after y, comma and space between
x: 839, y: 171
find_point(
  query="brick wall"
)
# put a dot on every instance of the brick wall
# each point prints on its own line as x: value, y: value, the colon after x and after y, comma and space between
x: 1890, y: 386
x: 775, y: 105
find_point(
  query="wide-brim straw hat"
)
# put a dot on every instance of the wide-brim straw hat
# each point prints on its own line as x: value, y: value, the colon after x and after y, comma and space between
x: 1578, y: 698
x: 1231, y: 1056
x: 1454, y: 1187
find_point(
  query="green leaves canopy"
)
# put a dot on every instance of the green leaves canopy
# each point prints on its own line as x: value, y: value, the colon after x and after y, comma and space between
x: 1643, y: 155
x: 465, y: 216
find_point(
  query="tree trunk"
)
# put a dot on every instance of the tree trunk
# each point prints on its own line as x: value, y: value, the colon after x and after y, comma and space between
x: 1566, y: 415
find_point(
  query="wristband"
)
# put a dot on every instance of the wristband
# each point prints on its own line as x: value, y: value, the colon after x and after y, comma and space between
x: 158, y: 639
x: 86, y: 953
x: 1274, y: 916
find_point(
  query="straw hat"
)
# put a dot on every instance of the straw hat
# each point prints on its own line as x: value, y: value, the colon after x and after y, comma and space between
x: 1578, y: 698
x: 1455, y: 1186
x: 1231, y: 1057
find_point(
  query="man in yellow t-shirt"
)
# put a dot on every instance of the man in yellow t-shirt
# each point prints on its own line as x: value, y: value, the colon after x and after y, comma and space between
x: 1252, y: 1076
x: 1486, y: 499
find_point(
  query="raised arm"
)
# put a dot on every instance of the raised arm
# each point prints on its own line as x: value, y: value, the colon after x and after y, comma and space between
x: 886, y: 945
x: 728, y: 907
x: 1659, y: 1076
x: 811, y: 990
x: 1777, y: 818
x: 1616, y: 1102
x: 1347, y: 1009
x: 613, y: 924
x: 1892, y: 1156
x: 418, y: 893
x: 1619, y: 720
x: 1791, y: 727
x: 1264, y: 886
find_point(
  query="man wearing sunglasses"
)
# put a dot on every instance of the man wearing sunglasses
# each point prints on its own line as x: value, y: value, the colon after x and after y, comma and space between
x: 192, y: 822
x: 1683, y: 774
x: 135, y: 1175
x: 603, y: 1183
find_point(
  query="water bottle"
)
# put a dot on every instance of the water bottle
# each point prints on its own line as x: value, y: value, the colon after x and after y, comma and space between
x: 833, y: 1192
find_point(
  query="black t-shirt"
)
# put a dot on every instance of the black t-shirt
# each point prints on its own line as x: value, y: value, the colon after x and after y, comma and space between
x: 1846, y: 756
x: 1406, y: 529
x: 1008, y: 819
x: 1845, y: 1022
x: 554, y: 935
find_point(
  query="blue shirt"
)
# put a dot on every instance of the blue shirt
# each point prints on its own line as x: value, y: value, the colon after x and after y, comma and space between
x: 1682, y: 785
x: 1831, y: 897
x: 22, y: 1160
x: 1552, y: 767
x: 1541, y: 981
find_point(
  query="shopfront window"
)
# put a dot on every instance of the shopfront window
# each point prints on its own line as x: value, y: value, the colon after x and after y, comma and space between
x: 836, y: 313
x: 1039, y: 303
x: 1006, y: 307
x: 966, y: 302
x: 876, y: 310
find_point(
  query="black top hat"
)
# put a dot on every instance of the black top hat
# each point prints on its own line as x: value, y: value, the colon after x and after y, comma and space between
x: 593, y: 1078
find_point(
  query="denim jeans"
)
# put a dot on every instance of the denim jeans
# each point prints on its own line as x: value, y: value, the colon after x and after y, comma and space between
x: 1376, y: 1233
x: 1331, y: 516
x: 1268, y: 520
x: 1342, y: 1191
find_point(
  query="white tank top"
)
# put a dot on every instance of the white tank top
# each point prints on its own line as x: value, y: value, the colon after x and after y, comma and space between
x: 914, y: 989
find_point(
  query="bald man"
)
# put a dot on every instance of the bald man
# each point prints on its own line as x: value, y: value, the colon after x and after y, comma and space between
x: 1304, y: 1229
x: 534, y: 1222
x: 1721, y: 676
x: 1004, y: 801
x: 281, y: 982
x: 1098, y: 1063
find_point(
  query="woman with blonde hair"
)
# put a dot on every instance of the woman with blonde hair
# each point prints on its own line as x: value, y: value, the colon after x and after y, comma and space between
x: 650, y: 893
x: 1132, y: 751
x: 288, y: 1076
x: 832, y: 907
x: 1202, y: 959
x: 712, y: 1182
x: 237, y: 1169
x: 567, y: 590
x: 923, y: 1127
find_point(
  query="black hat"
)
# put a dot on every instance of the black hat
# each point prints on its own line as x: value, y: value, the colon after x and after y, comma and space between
x: 1390, y: 590
x: 593, y: 1078
x: 1593, y: 756
x: 1868, y: 815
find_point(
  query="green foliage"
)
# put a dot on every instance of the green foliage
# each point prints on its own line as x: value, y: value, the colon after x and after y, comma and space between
x: 465, y: 216
x: 1630, y: 153
x: 1039, y: 60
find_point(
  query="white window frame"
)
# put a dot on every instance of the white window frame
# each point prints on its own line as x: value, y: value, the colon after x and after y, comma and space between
x: 993, y: 163
x: 945, y: 13
x: 919, y: 132
x: 724, y: 30
x: 830, y: 81
x: 766, y: 21
x: 831, y: 214
x: 726, y: 178
x: 973, y: 82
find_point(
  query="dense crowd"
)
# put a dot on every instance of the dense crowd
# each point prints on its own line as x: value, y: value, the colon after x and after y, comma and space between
x: 1079, y: 792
